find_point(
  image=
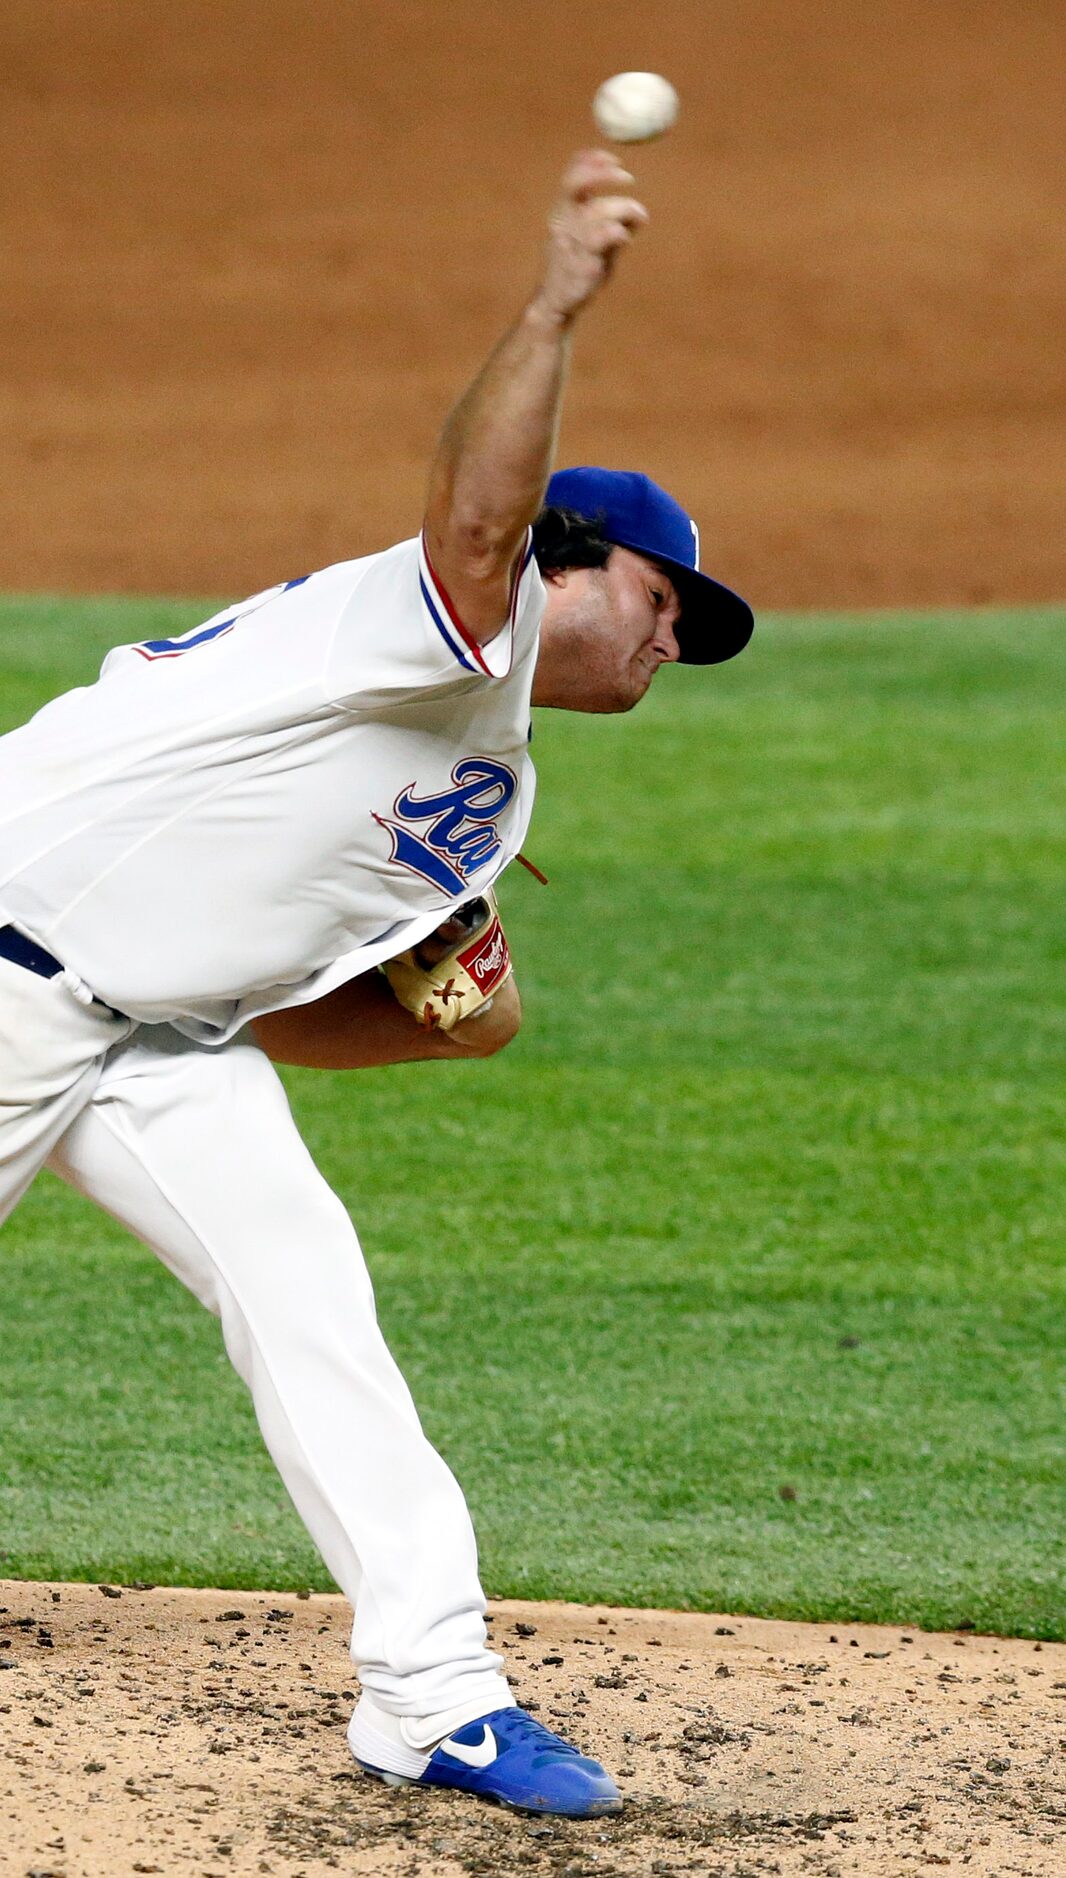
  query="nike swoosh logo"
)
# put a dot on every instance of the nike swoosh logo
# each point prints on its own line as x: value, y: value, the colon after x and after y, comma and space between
x: 475, y: 1753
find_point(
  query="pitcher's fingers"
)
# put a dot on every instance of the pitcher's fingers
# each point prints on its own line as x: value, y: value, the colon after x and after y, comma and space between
x: 607, y: 240
x: 591, y: 172
x: 625, y: 209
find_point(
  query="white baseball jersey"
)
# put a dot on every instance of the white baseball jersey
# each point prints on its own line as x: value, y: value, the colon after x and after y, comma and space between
x: 249, y: 815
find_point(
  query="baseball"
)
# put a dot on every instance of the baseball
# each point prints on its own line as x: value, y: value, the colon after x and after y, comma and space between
x: 635, y: 106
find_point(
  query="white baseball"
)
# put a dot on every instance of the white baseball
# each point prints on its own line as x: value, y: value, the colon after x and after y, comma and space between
x: 634, y: 106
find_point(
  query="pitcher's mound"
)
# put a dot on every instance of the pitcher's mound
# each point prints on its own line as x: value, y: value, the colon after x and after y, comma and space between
x: 202, y: 1732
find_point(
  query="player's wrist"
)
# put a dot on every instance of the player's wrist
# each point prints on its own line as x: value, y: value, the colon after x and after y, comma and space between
x: 546, y: 317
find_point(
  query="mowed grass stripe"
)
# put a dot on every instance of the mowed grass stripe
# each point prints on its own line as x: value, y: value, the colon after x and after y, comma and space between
x: 768, y: 1194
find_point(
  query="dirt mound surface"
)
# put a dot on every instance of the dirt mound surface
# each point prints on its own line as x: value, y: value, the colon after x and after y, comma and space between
x: 249, y: 253
x: 202, y: 1732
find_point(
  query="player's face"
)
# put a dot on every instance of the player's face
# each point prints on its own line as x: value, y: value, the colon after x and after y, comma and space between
x: 605, y: 633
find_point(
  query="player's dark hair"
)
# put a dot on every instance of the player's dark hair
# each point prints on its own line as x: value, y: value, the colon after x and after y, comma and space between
x: 562, y: 538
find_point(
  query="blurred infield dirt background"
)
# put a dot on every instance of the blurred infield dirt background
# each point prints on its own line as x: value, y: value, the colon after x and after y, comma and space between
x: 250, y: 251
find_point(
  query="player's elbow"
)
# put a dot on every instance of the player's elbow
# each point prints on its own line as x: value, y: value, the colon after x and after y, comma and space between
x: 493, y: 1027
x: 507, y: 1028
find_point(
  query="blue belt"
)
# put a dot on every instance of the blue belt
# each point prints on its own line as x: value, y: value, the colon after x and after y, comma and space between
x: 15, y: 947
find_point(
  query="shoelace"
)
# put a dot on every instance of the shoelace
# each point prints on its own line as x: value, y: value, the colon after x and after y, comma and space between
x: 551, y: 1745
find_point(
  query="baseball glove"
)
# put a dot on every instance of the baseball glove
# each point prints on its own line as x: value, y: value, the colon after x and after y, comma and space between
x: 456, y: 970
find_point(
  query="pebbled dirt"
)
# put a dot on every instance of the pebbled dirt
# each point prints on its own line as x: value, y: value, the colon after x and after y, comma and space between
x: 201, y: 1734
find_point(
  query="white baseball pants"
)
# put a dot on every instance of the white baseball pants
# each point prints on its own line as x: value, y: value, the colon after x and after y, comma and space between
x: 195, y: 1150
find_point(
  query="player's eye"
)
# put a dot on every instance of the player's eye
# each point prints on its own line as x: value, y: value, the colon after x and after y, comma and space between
x: 657, y: 595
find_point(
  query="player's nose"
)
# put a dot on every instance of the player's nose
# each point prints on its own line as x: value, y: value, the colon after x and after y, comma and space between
x: 666, y: 638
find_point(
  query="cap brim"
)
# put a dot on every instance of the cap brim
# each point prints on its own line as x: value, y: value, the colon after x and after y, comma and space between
x: 715, y: 623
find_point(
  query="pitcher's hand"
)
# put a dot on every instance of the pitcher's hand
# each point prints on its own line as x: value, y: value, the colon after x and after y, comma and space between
x: 593, y: 219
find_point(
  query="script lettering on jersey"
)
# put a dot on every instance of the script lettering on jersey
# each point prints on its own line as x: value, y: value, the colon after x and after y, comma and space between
x: 461, y: 837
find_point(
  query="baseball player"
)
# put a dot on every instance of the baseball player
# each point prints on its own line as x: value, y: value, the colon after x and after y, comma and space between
x: 203, y: 858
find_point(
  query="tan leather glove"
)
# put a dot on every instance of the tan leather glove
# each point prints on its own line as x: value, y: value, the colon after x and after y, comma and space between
x: 441, y: 986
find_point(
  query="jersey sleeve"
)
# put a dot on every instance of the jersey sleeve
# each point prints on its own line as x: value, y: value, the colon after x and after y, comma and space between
x: 494, y: 658
x: 399, y: 634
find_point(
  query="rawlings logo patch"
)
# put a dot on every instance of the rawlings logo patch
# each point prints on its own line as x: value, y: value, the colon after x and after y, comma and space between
x: 488, y: 960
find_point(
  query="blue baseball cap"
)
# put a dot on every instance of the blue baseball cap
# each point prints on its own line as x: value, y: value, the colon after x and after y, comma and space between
x: 633, y: 512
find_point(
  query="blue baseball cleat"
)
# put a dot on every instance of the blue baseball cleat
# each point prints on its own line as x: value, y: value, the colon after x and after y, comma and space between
x: 508, y: 1756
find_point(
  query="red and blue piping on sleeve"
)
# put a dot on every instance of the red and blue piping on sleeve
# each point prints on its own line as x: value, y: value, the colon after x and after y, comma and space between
x: 463, y: 647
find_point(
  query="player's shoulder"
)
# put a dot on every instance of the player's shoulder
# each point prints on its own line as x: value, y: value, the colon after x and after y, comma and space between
x: 400, y: 554
x: 398, y: 631
x: 385, y: 582
x: 395, y: 567
x: 386, y: 642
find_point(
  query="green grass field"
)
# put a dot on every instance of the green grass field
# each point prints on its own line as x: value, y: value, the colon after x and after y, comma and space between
x: 767, y: 1195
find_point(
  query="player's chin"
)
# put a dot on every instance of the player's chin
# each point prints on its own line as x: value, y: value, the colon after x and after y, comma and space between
x: 634, y: 686
x: 609, y: 703
x: 621, y: 691
x: 601, y: 693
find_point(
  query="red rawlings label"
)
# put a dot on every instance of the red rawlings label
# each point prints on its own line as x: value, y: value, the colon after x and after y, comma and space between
x: 488, y: 959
